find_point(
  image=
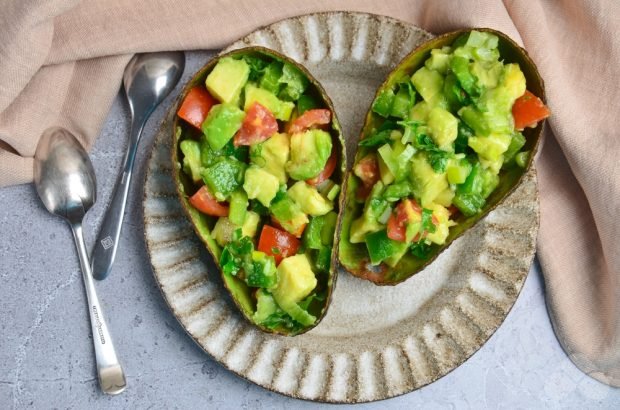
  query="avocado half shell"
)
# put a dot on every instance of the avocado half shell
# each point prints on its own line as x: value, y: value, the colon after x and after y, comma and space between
x: 203, y: 224
x: 354, y: 257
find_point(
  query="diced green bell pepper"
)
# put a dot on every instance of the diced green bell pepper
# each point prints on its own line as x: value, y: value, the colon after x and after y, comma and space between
x: 383, y: 103
x: 238, y: 207
x: 328, y: 229
x: 305, y: 103
x: 312, y: 233
x: 380, y: 247
x: 270, y: 80
x: 460, y: 68
x: 224, y: 177
x: 323, y: 259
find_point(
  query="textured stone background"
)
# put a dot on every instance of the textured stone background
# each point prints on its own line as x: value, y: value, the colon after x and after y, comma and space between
x: 46, y: 355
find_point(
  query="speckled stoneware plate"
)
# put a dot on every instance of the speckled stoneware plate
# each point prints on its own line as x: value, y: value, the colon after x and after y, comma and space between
x: 375, y: 342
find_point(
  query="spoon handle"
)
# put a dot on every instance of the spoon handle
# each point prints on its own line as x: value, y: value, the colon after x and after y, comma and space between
x: 106, y: 244
x: 110, y: 372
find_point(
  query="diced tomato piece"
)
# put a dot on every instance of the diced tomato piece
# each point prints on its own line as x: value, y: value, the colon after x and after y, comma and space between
x: 258, y: 125
x: 407, y: 211
x: 196, y: 105
x: 278, y: 243
x: 367, y: 169
x: 309, y: 119
x: 528, y: 110
x: 207, y: 204
x: 330, y: 167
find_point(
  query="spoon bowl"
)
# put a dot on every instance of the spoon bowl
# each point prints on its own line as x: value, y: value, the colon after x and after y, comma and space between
x: 147, y: 80
x: 64, y: 176
x: 65, y: 181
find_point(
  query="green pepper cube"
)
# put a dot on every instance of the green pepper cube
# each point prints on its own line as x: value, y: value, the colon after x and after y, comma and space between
x: 383, y: 103
x: 312, y: 233
x: 221, y: 124
x: 323, y: 259
x: 305, y: 103
x: 380, y: 247
x: 270, y: 80
x: 295, y: 83
x: 328, y: 228
x: 227, y: 79
x: 224, y: 177
x: 238, y: 207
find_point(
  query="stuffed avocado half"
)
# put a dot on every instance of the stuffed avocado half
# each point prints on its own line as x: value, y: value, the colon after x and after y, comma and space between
x: 260, y: 158
x: 449, y: 134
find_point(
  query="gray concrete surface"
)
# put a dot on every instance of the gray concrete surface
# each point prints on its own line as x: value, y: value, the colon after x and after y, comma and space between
x: 46, y: 354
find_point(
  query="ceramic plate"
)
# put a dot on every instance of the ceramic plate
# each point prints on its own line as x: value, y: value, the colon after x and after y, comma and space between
x: 375, y: 342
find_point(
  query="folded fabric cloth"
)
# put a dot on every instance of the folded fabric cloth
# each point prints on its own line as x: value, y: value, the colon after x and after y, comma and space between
x: 61, y: 63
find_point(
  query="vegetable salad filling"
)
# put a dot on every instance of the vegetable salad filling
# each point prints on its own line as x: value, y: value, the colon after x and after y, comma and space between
x: 443, y: 137
x: 257, y: 145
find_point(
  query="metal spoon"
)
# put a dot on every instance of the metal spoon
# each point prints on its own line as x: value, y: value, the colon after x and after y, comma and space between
x: 148, y: 79
x: 65, y: 181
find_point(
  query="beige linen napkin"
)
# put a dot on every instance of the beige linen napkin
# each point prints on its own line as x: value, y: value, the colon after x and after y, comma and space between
x: 61, y: 63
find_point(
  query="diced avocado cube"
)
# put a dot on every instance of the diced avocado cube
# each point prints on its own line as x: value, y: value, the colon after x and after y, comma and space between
x: 513, y: 81
x: 260, y: 184
x: 309, y: 199
x: 457, y: 171
x: 442, y: 227
x: 265, y: 306
x: 272, y: 155
x: 427, y: 183
x: 309, y: 153
x: 221, y: 124
x: 491, y: 147
x: 487, y: 73
x: 438, y: 61
x: 224, y: 177
x: 380, y: 247
x: 428, y: 83
x: 250, y: 224
x: 191, y: 159
x: 296, y: 280
x: 368, y: 222
x: 238, y: 207
x: 289, y: 215
x: 227, y: 79
x: 282, y: 110
x: 223, y: 231
x: 420, y: 111
x: 443, y: 127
